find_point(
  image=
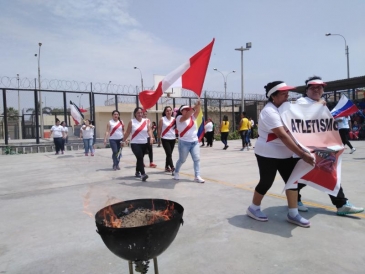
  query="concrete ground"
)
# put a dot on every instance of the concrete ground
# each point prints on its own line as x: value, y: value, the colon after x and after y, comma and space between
x: 44, y: 230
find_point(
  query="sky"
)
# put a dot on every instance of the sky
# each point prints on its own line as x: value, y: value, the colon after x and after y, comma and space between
x: 103, y: 40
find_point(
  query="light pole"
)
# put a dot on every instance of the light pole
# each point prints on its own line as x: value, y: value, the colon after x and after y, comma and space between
x: 107, y: 95
x: 346, y: 52
x: 39, y: 87
x: 242, y: 49
x: 19, y: 117
x: 141, y: 76
x: 225, y: 80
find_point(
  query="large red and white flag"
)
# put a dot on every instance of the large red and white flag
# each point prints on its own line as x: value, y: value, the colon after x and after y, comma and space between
x: 314, y: 129
x: 190, y: 75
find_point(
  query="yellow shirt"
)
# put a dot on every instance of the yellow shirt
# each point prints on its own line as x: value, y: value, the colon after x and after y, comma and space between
x: 246, y: 125
x: 225, y: 126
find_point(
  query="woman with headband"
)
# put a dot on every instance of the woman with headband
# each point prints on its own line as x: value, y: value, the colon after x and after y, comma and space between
x: 313, y: 94
x: 274, y: 151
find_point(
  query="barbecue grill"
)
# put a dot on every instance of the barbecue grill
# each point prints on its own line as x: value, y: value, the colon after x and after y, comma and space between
x: 139, y: 244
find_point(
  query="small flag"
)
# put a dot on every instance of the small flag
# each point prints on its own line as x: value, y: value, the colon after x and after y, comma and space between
x: 344, y: 107
x: 190, y: 75
x: 76, y: 113
x: 200, y: 125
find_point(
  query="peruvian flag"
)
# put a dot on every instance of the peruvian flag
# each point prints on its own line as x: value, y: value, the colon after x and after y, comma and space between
x: 189, y: 75
x: 76, y: 113
x: 344, y: 108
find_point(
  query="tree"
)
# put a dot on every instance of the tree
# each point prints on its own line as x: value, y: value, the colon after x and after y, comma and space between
x: 45, y: 110
x: 13, y: 114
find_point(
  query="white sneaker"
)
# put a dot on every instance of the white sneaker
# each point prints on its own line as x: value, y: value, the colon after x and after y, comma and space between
x: 352, y: 150
x: 199, y: 179
x: 176, y: 176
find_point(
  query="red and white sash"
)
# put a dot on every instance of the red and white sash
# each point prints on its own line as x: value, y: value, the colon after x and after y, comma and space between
x: 190, y: 125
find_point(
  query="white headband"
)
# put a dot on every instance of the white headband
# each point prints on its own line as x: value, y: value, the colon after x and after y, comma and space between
x: 316, y: 82
x: 272, y: 90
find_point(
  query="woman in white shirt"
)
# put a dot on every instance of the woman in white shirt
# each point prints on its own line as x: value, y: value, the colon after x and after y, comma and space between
x: 58, y: 134
x: 274, y: 150
x: 64, y: 140
x: 188, y: 139
x: 166, y: 133
x: 87, y: 135
x: 115, y: 131
x: 140, y: 130
x: 209, y: 134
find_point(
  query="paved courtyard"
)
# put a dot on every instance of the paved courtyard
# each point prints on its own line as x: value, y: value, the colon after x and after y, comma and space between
x: 44, y: 228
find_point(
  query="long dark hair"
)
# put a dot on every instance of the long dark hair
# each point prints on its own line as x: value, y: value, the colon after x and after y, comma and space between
x: 135, y: 111
x: 164, y: 110
x: 225, y: 119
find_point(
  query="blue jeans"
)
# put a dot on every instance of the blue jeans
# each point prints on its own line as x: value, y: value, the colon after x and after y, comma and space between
x: 88, y: 145
x: 115, y: 146
x: 184, y: 149
x: 248, y: 135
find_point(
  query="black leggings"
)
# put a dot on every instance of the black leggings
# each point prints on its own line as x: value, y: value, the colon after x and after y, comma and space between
x: 344, y: 133
x: 243, y: 134
x: 168, y: 146
x: 209, y: 136
x: 268, y: 168
x: 149, y: 150
x: 139, y: 151
x: 337, y: 201
x: 224, y: 137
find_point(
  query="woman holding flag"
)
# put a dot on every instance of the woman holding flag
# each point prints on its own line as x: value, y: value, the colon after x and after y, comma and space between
x: 166, y: 133
x: 274, y: 150
x: 140, y: 130
x: 115, y: 129
x: 314, y: 91
x: 188, y: 139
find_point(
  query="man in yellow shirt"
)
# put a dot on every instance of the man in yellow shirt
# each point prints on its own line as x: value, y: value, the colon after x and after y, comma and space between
x: 243, y: 128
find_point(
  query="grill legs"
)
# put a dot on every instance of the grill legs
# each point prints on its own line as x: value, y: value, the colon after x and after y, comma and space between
x: 155, y: 266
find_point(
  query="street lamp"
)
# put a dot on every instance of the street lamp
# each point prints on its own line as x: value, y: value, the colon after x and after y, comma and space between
x: 141, y: 76
x: 107, y: 95
x: 346, y: 52
x: 242, y: 49
x: 225, y: 80
x: 19, y: 117
x: 39, y: 86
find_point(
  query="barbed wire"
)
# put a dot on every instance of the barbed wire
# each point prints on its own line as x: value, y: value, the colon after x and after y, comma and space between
x: 108, y: 88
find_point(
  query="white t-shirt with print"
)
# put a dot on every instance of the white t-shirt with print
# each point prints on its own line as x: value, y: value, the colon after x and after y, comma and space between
x: 267, y: 144
x: 191, y: 134
x: 57, y: 131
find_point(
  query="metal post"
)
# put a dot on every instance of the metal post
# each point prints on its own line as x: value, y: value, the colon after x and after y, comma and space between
x: 155, y: 266
x: 6, y: 132
x: 348, y: 62
x: 39, y: 89
x: 141, y: 77
x: 64, y: 106
x: 241, y: 49
x: 19, y: 118
x: 36, y: 116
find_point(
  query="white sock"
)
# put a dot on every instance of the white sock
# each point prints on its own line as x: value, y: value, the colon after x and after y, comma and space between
x: 255, y: 207
x: 293, y: 212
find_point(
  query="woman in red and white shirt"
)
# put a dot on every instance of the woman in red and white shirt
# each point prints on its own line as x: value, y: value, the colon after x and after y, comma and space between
x: 166, y: 133
x: 188, y: 139
x: 140, y: 130
x: 115, y: 129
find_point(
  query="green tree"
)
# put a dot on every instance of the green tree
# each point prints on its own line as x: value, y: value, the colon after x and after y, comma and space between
x: 13, y: 114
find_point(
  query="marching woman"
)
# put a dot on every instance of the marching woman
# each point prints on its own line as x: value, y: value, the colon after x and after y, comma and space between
x: 140, y: 130
x: 274, y: 150
x: 58, y: 133
x: 115, y: 129
x: 188, y: 139
x: 87, y: 135
x: 225, y: 131
x: 166, y: 133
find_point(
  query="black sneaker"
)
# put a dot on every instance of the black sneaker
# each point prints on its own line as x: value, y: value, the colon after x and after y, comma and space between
x: 138, y: 174
x: 144, y: 177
